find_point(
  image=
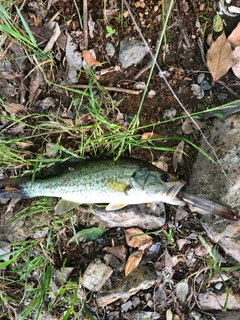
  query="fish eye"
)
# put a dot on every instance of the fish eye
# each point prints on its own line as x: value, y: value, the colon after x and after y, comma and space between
x: 165, y: 177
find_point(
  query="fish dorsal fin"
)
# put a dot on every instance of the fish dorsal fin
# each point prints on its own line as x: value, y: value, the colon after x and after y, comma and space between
x: 64, y: 206
x: 115, y: 206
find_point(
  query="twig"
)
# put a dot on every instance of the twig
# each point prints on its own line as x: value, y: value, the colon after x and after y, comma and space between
x: 200, y: 45
x: 183, y: 29
x: 85, y: 24
x: 56, y: 33
x: 227, y: 88
x: 84, y: 86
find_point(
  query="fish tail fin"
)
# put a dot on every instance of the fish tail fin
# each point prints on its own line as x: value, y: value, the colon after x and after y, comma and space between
x: 13, y: 188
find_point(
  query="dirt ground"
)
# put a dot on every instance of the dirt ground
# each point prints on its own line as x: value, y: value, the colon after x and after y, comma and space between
x: 183, y: 59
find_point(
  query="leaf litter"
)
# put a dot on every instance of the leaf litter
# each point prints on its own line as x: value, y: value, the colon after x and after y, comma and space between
x: 136, y: 275
x: 223, y: 54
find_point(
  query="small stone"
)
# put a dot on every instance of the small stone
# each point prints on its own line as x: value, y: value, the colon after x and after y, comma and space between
x: 205, y: 85
x: 200, y: 78
x: 219, y: 285
x: 222, y: 96
x: 135, y: 301
x: 156, y: 8
x: 132, y: 52
x: 197, y: 91
x: 169, y: 113
x: 126, y: 306
x: 110, y: 49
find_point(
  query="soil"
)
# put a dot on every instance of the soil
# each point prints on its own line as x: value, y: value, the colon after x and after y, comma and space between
x: 183, y: 61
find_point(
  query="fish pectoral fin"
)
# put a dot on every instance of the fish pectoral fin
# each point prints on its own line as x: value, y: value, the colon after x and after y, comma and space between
x: 64, y: 206
x: 115, y: 206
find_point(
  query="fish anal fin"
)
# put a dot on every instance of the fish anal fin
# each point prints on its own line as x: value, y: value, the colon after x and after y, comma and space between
x: 115, y: 206
x: 64, y: 206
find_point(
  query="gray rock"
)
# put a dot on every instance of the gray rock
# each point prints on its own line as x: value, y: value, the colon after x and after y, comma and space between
x: 132, y: 52
x: 208, y: 180
x: 147, y: 216
x: 110, y: 49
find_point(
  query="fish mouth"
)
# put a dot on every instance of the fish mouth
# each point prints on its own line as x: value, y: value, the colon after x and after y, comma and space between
x: 172, y: 191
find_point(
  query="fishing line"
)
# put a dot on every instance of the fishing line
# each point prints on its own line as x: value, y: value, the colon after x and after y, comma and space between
x: 162, y: 75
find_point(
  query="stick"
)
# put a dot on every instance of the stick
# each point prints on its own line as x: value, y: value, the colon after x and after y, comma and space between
x: 84, y: 86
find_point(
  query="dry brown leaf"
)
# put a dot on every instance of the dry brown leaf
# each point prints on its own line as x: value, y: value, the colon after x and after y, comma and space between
x: 89, y: 58
x: 234, y: 37
x: 15, y: 107
x: 36, y: 84
x: 133, y: 261
x: 188, y: 126
x: 177, y: 155
x: 135, y: 238
x: 219, y: 57
x: 118, y: 251
x: 236, y: 61
x: 147, y: 135
x: 168, y: 264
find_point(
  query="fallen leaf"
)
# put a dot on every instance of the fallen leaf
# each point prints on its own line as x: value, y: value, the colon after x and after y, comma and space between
x: 169, y: 314
x: 236, y: 61
x: 219, y: 57
x: 182, y: 291
x: 61, y: 276
x: 15, y: 107
x: 90, y: 234
x: 149, y: 135
x: 36, y: 84
x: 5, y: 247
x: 177, y: 155
x: 91, y: 25
x: 133, y: 261
x: 136, y: 238
x: 168, y: 264
x: 19, y: 128
x: 188, y: 126
x: 118, y: 251
x: 74, y: 61
x: 234, y: 37
x: 141, y: 278
x: 89, y: 58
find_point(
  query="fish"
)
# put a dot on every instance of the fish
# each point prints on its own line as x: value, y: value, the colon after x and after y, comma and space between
x: 119, y: 183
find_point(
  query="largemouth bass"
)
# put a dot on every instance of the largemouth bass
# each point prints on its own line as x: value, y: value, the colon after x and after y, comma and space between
x: 118, y: 183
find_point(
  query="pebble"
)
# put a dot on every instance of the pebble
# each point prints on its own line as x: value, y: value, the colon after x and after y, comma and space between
x: 200, y: 78
x: 110, y: 49
x: 126, y: 306
x: 132, y: 52
x: 205, y: 85
x: 222, y: 96
x: 219, y: 285
x: 170, y: 113
x: 197, y: 91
